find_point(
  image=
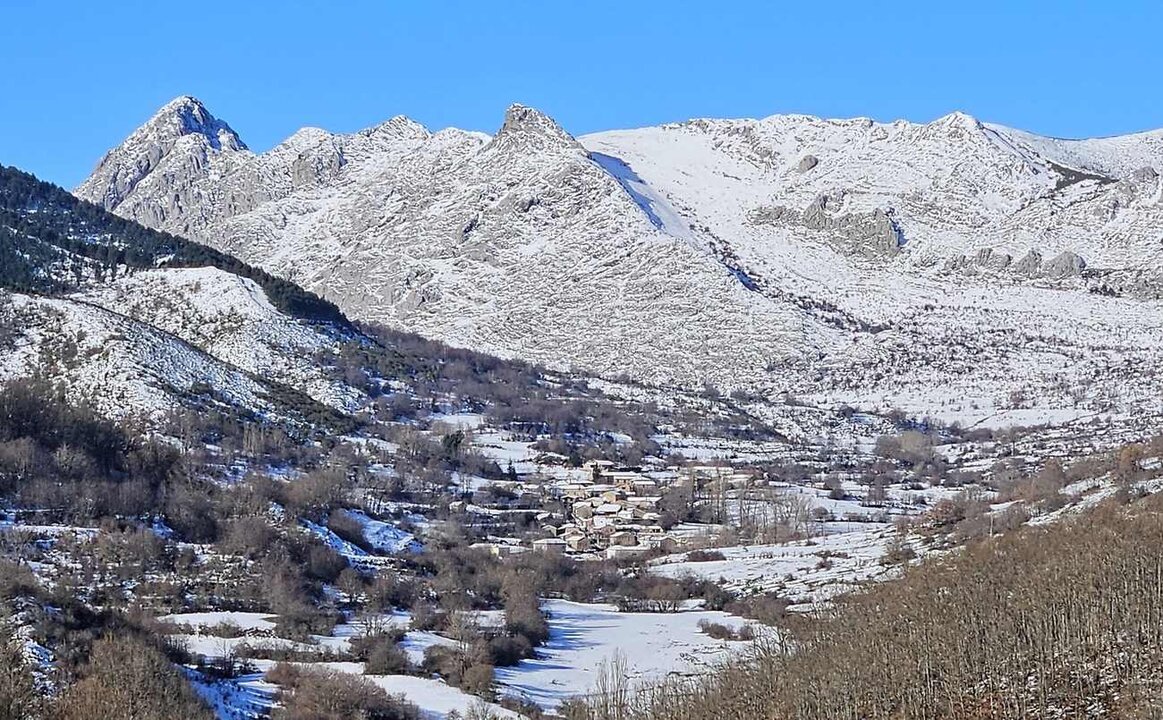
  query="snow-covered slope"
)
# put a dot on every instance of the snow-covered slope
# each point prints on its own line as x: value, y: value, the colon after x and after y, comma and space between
x: 125, y: 368
x: 979, y: 260
x: 139, y: 321
x: 231, y: 319
x: 952, y: 268
x: 518, y: 245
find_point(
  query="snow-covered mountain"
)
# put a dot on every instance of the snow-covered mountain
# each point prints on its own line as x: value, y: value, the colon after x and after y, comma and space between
x: 138, y: 322
x: 518, y: 245
x: 951, y: 268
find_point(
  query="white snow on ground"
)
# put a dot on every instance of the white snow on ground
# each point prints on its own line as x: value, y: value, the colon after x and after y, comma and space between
x: 241, y: 620
x: 654, y: 205
x: 434, y: 698
x: 805, y: 572
x: 333, y: 541
x: 496, y: 446
x: 382, y: 536
x: 583, y: 636
x: 7, y: 524
x: 417, y: 641
x: 231, y: 319
x: 212, y: 647
x: 461, y: 421
x: 244, y: 698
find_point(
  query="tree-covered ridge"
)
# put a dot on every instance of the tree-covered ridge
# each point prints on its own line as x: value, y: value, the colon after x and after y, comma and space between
x: 51, y: 240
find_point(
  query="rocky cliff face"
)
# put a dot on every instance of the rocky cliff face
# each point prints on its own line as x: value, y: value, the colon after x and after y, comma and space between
x: 517, y: 244
x: 170, y: 153
x: 887, y: 264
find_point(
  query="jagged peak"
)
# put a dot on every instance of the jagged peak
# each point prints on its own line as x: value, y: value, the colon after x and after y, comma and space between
x: 183, y: 102
x: 527, y: 125
x: 401, y: 127
x: 187, y: 115
x: 123, y: 167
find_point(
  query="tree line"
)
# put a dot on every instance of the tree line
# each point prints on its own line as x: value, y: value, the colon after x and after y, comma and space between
x: 44, y: 227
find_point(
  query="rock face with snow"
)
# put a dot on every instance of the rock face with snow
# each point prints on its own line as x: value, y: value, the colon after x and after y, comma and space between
x: 169, y: 150
x: 425, y: 231
x: 951, y: 268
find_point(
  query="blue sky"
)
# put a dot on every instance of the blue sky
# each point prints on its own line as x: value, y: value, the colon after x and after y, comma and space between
x: 77, y: 77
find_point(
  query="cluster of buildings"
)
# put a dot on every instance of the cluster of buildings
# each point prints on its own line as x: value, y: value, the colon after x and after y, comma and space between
x: 608, y: 511
x: 600, y: 511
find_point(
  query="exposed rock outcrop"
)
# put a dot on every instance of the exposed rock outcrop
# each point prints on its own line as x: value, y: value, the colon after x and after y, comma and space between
x: 1064, y: 265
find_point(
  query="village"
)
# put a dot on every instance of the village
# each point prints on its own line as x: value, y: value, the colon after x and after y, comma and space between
x: 602, y: 510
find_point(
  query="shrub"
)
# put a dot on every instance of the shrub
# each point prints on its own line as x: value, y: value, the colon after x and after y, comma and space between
x: 384, y: 657
x: 329, y: 695
x: 478, y: 680
x: 705, y: 556
x: 507, y: 651
x: 126, y: 679
x: 18, y: 695
x: 425, y: 617
x: 720, y: 631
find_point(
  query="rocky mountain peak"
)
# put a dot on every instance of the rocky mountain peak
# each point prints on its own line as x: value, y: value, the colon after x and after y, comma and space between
x: 399, y: 127
x: 186, y: 115
x: 533, y: 129
x: 957, y: 120
x: 183, y: 121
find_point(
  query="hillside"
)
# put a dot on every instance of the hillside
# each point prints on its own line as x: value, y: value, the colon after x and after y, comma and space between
x: 955, y: 269
x: 139, y: 322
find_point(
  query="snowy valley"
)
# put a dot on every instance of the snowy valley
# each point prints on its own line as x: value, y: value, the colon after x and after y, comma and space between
x: 452, y: 425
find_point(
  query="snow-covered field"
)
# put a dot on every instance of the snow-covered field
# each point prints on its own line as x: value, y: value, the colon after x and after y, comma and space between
x: 204, y: 620
x: 805, y: 571
x: 584, y: 636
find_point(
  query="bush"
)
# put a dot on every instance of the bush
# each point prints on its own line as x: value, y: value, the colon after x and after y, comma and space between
x: 347, y: 528
x: 720, y: 631
x: 507, y: 651
x: 769, y: 609
x: 251, y: 537
x: 384, y: 657
x: 897, y: 552
x: 328, y: 695
x: 324, y: 564
x: 427, y: 618
x: 18, y: 695
x: 478, y: 680
x: 705, y: 556
x: 126, y: 679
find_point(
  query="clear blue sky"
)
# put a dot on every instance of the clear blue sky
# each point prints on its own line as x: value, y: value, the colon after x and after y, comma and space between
x: 77, y: 77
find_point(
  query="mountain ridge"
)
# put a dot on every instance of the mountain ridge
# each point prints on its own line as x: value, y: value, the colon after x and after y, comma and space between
x: 786, y: 254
